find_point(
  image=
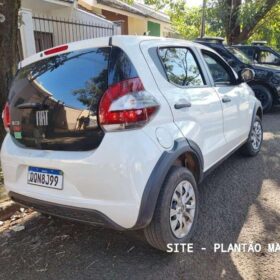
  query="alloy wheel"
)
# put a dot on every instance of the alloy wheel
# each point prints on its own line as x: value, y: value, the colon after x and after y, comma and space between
x: 256, y: 135
x: 182, y: 209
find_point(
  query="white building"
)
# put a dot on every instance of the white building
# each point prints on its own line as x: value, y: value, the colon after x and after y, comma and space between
x: 47, y: 23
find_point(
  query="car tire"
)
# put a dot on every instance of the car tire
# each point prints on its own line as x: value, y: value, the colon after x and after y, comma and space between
x: 264, y: 95
x: 254, y: 143
x: 171, y: 208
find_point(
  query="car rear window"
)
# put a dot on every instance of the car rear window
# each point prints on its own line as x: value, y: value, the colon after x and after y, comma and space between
x: 54, y: 102
x: 75, y: 78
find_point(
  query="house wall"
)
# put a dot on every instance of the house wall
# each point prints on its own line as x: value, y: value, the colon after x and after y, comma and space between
x: 26, y: 33
x: 166, y: 30
x: 154, y: 28
x: 136, y: 26
x: 46, y: 8
x: 164, y: 27
x: 117, y: 17
x: 52, y: 33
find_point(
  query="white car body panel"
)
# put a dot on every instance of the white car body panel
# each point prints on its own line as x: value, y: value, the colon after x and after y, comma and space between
x: 203, y: 121
x: 80, y: 45
x: 236, y: 114
x: 110, y: 179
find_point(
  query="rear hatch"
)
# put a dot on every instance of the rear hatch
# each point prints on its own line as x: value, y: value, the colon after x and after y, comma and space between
x: 54, y: 101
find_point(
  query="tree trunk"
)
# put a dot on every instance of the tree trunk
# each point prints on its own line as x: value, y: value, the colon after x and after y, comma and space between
x: 8, y: 50
x: 241, y: 35
x: 234, y: 24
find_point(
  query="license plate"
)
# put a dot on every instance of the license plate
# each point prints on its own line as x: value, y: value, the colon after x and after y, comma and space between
x: 45, y: 177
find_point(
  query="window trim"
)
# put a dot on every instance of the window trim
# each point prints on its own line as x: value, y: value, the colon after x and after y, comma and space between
x: 230, y: 72
x: 196, y: 60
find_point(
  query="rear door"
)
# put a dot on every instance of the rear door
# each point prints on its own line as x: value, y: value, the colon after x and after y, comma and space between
x: 195, y: 105
x: 234, y: 97
x: 54, y: 101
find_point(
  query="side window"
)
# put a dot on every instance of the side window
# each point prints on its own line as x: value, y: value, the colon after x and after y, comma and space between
x: 248, y: 51
x: 267, y: 57
x: 218, y: 69
x: 120, y: 67
x: 180, y: 66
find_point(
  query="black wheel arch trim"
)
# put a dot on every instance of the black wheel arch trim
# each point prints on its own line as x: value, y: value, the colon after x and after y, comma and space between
x: 272, y: 89
x: 156, y: 179
x: 257, y: 107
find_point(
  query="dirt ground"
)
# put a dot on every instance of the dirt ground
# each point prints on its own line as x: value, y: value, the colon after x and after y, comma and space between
x: 240, y: 203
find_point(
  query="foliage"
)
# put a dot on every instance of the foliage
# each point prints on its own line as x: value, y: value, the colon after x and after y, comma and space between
x: 236, y: 20
x: 188, y: 26
x: 268, y: 28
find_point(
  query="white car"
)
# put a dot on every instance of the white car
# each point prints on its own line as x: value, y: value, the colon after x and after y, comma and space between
x: 166, y: 113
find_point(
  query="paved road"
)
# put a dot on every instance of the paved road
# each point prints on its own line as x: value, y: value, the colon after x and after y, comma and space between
x: 240, y: 202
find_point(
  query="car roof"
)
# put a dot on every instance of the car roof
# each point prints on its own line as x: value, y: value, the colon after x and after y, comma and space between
x: 133, y: 39
x: 122, y: 40
x: 253, y: 46
x: 211, y: 44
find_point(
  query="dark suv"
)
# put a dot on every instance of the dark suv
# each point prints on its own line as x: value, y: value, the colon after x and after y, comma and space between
x: 266, y: 83
x: 261, y: 53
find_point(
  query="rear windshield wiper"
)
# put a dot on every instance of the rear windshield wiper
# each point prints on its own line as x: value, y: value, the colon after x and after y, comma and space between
x: 29, y: 105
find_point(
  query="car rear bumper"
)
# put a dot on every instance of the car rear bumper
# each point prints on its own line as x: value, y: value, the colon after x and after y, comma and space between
x: 84, y: 215
x: 109, y: 180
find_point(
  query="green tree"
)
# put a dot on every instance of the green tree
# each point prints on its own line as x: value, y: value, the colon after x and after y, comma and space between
x: 236, y: 20
x: 239, y: 19
x: 268, y: 28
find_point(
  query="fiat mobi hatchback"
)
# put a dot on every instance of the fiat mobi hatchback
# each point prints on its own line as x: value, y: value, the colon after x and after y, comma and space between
x: 120, y: 131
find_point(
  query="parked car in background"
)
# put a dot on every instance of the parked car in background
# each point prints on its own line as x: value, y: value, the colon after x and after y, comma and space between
x: 120, y: 131
x: 261, y: 53
x: 266, y: 83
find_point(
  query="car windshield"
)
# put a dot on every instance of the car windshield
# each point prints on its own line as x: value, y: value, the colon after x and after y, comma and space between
x: 240, y: 55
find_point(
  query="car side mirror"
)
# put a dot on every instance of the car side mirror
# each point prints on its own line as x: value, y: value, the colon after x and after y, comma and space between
x: 247, y: 75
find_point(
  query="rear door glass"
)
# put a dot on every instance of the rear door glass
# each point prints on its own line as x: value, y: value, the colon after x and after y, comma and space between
x: 181, y: 67
x: 54, y: 102
x: 219, y: 71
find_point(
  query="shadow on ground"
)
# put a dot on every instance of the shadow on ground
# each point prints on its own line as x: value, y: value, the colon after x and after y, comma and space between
x: 57, y: 249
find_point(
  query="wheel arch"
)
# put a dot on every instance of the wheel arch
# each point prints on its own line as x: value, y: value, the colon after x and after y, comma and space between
x: 258, y: 111
x: 268, y: 86
x: 184, y: 153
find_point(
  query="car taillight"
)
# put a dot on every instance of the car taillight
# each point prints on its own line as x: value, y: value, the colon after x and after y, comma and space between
x: 126, y: 105
x: 6, y: 117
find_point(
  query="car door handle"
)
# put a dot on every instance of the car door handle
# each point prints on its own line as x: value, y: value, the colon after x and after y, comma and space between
x: 226, y: 99
x: 182, y: 105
